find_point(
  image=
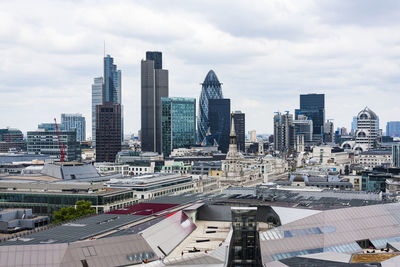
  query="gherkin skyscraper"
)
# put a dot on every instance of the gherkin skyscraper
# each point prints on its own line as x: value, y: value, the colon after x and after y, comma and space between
x: 211, y: 89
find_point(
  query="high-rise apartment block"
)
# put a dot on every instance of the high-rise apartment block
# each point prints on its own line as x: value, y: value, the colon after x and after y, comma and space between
x: 178, y: 123
x: 46, y: 143
x: 219, y: 118
x: 313, y: 106
x: 393, y: 128
x: 210, y: 89
x: 108, y: 131
x: 97, y: 99
x: 11, y: 139
x: 240, y: 125
x: 75, y: 122
x: 367, y: 130
x: 154, y: 86
x: 283, y: 133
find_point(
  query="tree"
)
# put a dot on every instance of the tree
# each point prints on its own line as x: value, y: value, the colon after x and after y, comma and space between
x: 82, y: 208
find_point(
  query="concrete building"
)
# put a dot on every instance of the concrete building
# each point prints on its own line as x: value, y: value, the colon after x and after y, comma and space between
x: 75, y: 122
x: 108, y: 131
x: 367, y: 130
x: 396, y: 155
x: 46, y: 143
x: 97, y: 99
x: 372, y: 158
x: 154, y: 86
x: 16, y: 220
x: 253, y: 136
x: 178, y: 121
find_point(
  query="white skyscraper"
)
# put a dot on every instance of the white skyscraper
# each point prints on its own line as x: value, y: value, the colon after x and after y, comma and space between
x: 367, y: 130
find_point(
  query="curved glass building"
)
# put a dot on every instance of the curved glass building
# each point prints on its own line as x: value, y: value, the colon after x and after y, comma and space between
x: 211, y: 89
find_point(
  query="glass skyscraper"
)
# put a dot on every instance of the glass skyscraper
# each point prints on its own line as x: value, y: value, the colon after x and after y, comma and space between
x: 240, y: 129
x: 112, y: 81
x: 178, y: 118
x: 219, y: 116
x: 97, y: 99
x: 393, y: 128
x: 313, y: 106
x: 211, y: 89
x: 75, y: 122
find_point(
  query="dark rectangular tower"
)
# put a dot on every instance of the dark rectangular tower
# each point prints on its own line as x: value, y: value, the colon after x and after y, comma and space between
x: 108, y: 131
x: 156, y: 57
x: 154, y: 85
x: 240, y: 130
x: 219, y: 117
x: 313, y: 106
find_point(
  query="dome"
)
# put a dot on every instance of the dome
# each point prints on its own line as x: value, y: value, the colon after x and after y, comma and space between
x: 211, y: 78
x: 366, y: 114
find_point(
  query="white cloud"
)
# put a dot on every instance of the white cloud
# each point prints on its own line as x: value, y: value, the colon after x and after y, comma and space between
x: 266, y: 53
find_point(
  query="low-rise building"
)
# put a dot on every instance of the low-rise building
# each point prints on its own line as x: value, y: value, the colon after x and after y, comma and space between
x: 372, y: 158
x: 15, y: 220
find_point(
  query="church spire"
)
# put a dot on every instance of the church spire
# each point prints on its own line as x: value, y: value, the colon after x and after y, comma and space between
x: 232, y: 135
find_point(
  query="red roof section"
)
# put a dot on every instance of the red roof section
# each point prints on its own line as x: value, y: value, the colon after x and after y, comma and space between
x: 143, y: 209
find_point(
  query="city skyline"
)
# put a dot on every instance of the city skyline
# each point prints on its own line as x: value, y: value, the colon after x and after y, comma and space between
x: 350, y: 57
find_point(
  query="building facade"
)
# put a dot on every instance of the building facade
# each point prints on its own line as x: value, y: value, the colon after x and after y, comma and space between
x: 108, y: 131
x: 396, y: 155
x: 154, y: 86
x: 75, y: 122
x: 240, y: 128
x: 210, y: 89
x: 46, y: 143
x: 219, y: 116
x: 97, y: 99
x: 11, y: 139
x: 313, y: 106
x: 178, y: 119
x: 367, y: 130
x: 112, y: 81
x: 304, y: 126
x: 393, y: 128
x: 283, y: 133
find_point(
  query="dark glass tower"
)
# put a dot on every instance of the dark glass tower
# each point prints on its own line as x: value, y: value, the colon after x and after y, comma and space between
x: 219, y: 116
x: 112, y: 81
x: 210, y: 89
x: 108, y: 131
x: 240, y: 129
x: 154, y: 86
x: 178, y: 123
x: 313, y: 106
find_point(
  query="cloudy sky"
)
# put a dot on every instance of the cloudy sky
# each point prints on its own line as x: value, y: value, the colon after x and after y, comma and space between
x: 264, y: 52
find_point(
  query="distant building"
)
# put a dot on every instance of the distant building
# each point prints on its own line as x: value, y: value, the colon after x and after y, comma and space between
x: 367, y: 131
x: 393, y: 128
x: 371, y: 159
x: 354, y: 125
x: 178, y: 120
x: 97, y: 99
x: 154, y: 86
x: 50, y: 126
x: 283, y: 133
x: 11, y: 139
x: 329, y: 132
x: 46, y: 143
x: 219, y: 116
x: 253, y: 136
x: 210, y: 89
x: 108, y: 131
x: 313, y: 106
x: 396, y: 155
x: 240, y: 129
x: 75, y: 122
x: 304, y: 126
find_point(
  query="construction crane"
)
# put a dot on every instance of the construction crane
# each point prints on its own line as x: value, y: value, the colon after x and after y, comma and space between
x: 61, y: 146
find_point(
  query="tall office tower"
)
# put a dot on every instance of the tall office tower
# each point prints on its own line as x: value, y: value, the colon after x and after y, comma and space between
x: 253, y: 136
x: 283, y: 133
x: 178, y: 120
x: 97, y: 99
x: 367, y: 131
x: 343, y: 131
x: 108, y: 131
x: 396, y: 155
x: 75, y: 122
x: 303, y: 126
x: 219, y: 117
x: 354, y: 125
x: 239, y: 118
x: 393, y: 129
x: 329, y: 131
x: 313, y: 106
x: 154, y: 83
x: 210, y: 89
x: 46, y: 143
